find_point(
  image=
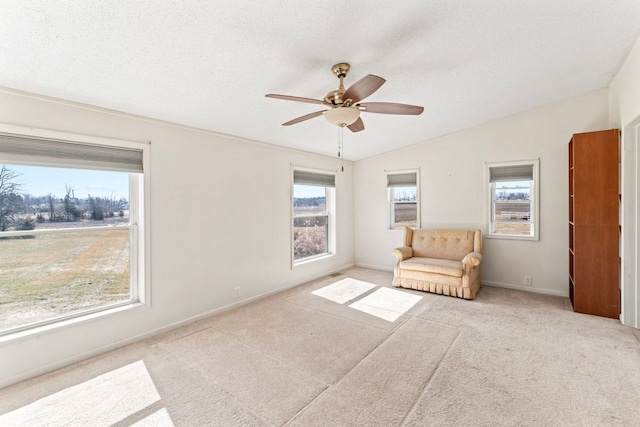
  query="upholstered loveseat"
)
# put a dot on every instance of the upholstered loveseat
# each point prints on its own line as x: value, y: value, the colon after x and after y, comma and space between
x: 441, y: 261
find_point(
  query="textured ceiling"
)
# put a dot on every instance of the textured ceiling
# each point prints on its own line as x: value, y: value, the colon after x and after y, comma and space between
x: 209, y: 64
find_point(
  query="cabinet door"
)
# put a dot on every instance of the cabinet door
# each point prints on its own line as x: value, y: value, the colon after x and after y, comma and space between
x: 597, y: 271
x: 595, y: 178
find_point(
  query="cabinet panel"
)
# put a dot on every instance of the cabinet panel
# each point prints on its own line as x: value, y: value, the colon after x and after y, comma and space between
x: 594, y: 268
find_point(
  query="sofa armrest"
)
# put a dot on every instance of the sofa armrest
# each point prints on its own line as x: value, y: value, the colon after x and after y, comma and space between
x: 402, y: 253
x: 473, y: 259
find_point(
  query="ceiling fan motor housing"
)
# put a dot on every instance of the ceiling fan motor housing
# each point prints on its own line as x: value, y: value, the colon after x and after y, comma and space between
x: 334, y: 97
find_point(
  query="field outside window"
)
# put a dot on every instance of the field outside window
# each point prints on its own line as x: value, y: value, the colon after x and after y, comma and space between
x: 310, y: 221
x: 404, y: 207
x: 512, y: 208
x: 65, y: 243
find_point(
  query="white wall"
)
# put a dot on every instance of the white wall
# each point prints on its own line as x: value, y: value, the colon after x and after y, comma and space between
x: 453, y: 191
x: 624, y: 114
x: 624, y: 91
x: 220, y: 218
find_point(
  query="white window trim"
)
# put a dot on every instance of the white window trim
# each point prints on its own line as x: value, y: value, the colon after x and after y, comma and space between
x: 331, y: 218
x: 141, y: 236
x: 535, y: 193
x: 390, y: 217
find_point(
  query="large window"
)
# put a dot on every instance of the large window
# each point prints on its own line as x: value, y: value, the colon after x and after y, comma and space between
x: 313, y: 219
x: 70, y: 237
x: 404, y: 206
x: 513, y: 200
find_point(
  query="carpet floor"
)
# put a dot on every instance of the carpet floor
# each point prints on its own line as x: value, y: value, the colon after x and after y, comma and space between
x: 351, y: 350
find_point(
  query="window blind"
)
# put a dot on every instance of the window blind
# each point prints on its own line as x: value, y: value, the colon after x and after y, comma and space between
x: 314, y: 178
x: 511, y: 173
x: 54, y: 152
x: 402, y: 179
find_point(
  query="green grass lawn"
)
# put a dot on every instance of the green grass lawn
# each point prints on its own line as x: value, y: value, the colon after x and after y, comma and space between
x: 56, y: 274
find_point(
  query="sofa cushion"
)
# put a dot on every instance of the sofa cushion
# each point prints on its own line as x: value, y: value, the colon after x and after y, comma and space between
x: 433, y: 265
x: 442, y: 244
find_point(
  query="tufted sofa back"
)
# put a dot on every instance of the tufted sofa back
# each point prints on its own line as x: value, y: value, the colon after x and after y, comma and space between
x: 443, y: 244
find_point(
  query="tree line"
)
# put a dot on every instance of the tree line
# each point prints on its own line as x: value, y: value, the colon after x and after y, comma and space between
x: 21, y: 211
x: 309, y: 201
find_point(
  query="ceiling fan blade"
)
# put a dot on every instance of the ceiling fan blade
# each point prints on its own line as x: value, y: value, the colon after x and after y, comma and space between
x: 295, y: 98
x: 356, y: 126
x: 391, y: 108
x: 363, y: 88
x: 303, y: 118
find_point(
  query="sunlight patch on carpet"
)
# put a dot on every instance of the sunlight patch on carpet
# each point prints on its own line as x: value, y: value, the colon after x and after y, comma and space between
x: 344, y: 290
x: 159, y: 418
x: 387, y: 304
x: 101, y: 401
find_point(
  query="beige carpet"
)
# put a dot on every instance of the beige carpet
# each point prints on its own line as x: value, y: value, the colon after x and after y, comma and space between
x: 327, y: 354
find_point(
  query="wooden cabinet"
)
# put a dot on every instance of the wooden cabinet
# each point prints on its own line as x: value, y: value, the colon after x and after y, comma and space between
x: 594, y: 232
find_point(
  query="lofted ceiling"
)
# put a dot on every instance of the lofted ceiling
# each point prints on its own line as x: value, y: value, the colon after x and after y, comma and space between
x: 209, y: 64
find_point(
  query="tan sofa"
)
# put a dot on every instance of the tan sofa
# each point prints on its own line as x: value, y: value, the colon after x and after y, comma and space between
x: 441, y: 261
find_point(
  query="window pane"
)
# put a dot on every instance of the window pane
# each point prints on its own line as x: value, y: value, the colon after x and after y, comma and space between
x: 309, y: 199
x: 310, y: 236
x: 405, y: 207
x: 48, y: 275
x: 512, y: 208
x: 46, y: 198
x: 518, y: 228
x: 60, y: 273
x: 518, y: 190
x: 404, y: 194
x: 513, y: 197
x: 405, y: 214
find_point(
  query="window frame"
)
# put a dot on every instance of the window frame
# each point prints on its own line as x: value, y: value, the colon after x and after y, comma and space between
x: 139, y: 225
x: 535, y: 200
x: 330, y: 214
x: 391, y: 202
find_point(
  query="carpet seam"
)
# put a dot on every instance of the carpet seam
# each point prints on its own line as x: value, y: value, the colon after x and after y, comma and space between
x: 272, y: 357
x: 404, y: 319
x: 362, y: 361
x: 181, y: 336
x: 428, y: 381
x: 239, y: 402
x: 339, y: 379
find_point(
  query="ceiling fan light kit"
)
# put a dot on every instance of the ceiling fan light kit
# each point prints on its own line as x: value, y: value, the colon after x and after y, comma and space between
x: 342, y: 116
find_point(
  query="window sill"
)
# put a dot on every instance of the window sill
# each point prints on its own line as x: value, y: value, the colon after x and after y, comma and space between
x: 312, y: 259
x: 56, y: 326
x: 402, y: 228
x: 511, y: 237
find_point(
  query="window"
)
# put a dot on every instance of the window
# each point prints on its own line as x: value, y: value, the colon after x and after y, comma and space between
x: 404, y: 207
x: 70, y: 229
x: 313, y: 214
x: 513, y: 200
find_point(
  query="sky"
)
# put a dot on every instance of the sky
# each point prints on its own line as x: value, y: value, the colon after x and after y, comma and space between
x: 40, y: 181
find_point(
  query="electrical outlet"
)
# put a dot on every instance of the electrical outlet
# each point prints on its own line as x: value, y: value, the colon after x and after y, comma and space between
x: 236, y: 292
x: 527, y: 280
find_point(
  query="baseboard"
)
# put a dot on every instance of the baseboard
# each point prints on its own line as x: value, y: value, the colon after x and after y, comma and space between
x: 41, y: 370
x: 486, y: 282
x: 525, y: 288
x: 374, y: 267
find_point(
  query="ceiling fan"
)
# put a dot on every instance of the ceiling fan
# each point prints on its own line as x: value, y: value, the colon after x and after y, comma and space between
x: 345, y: 105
